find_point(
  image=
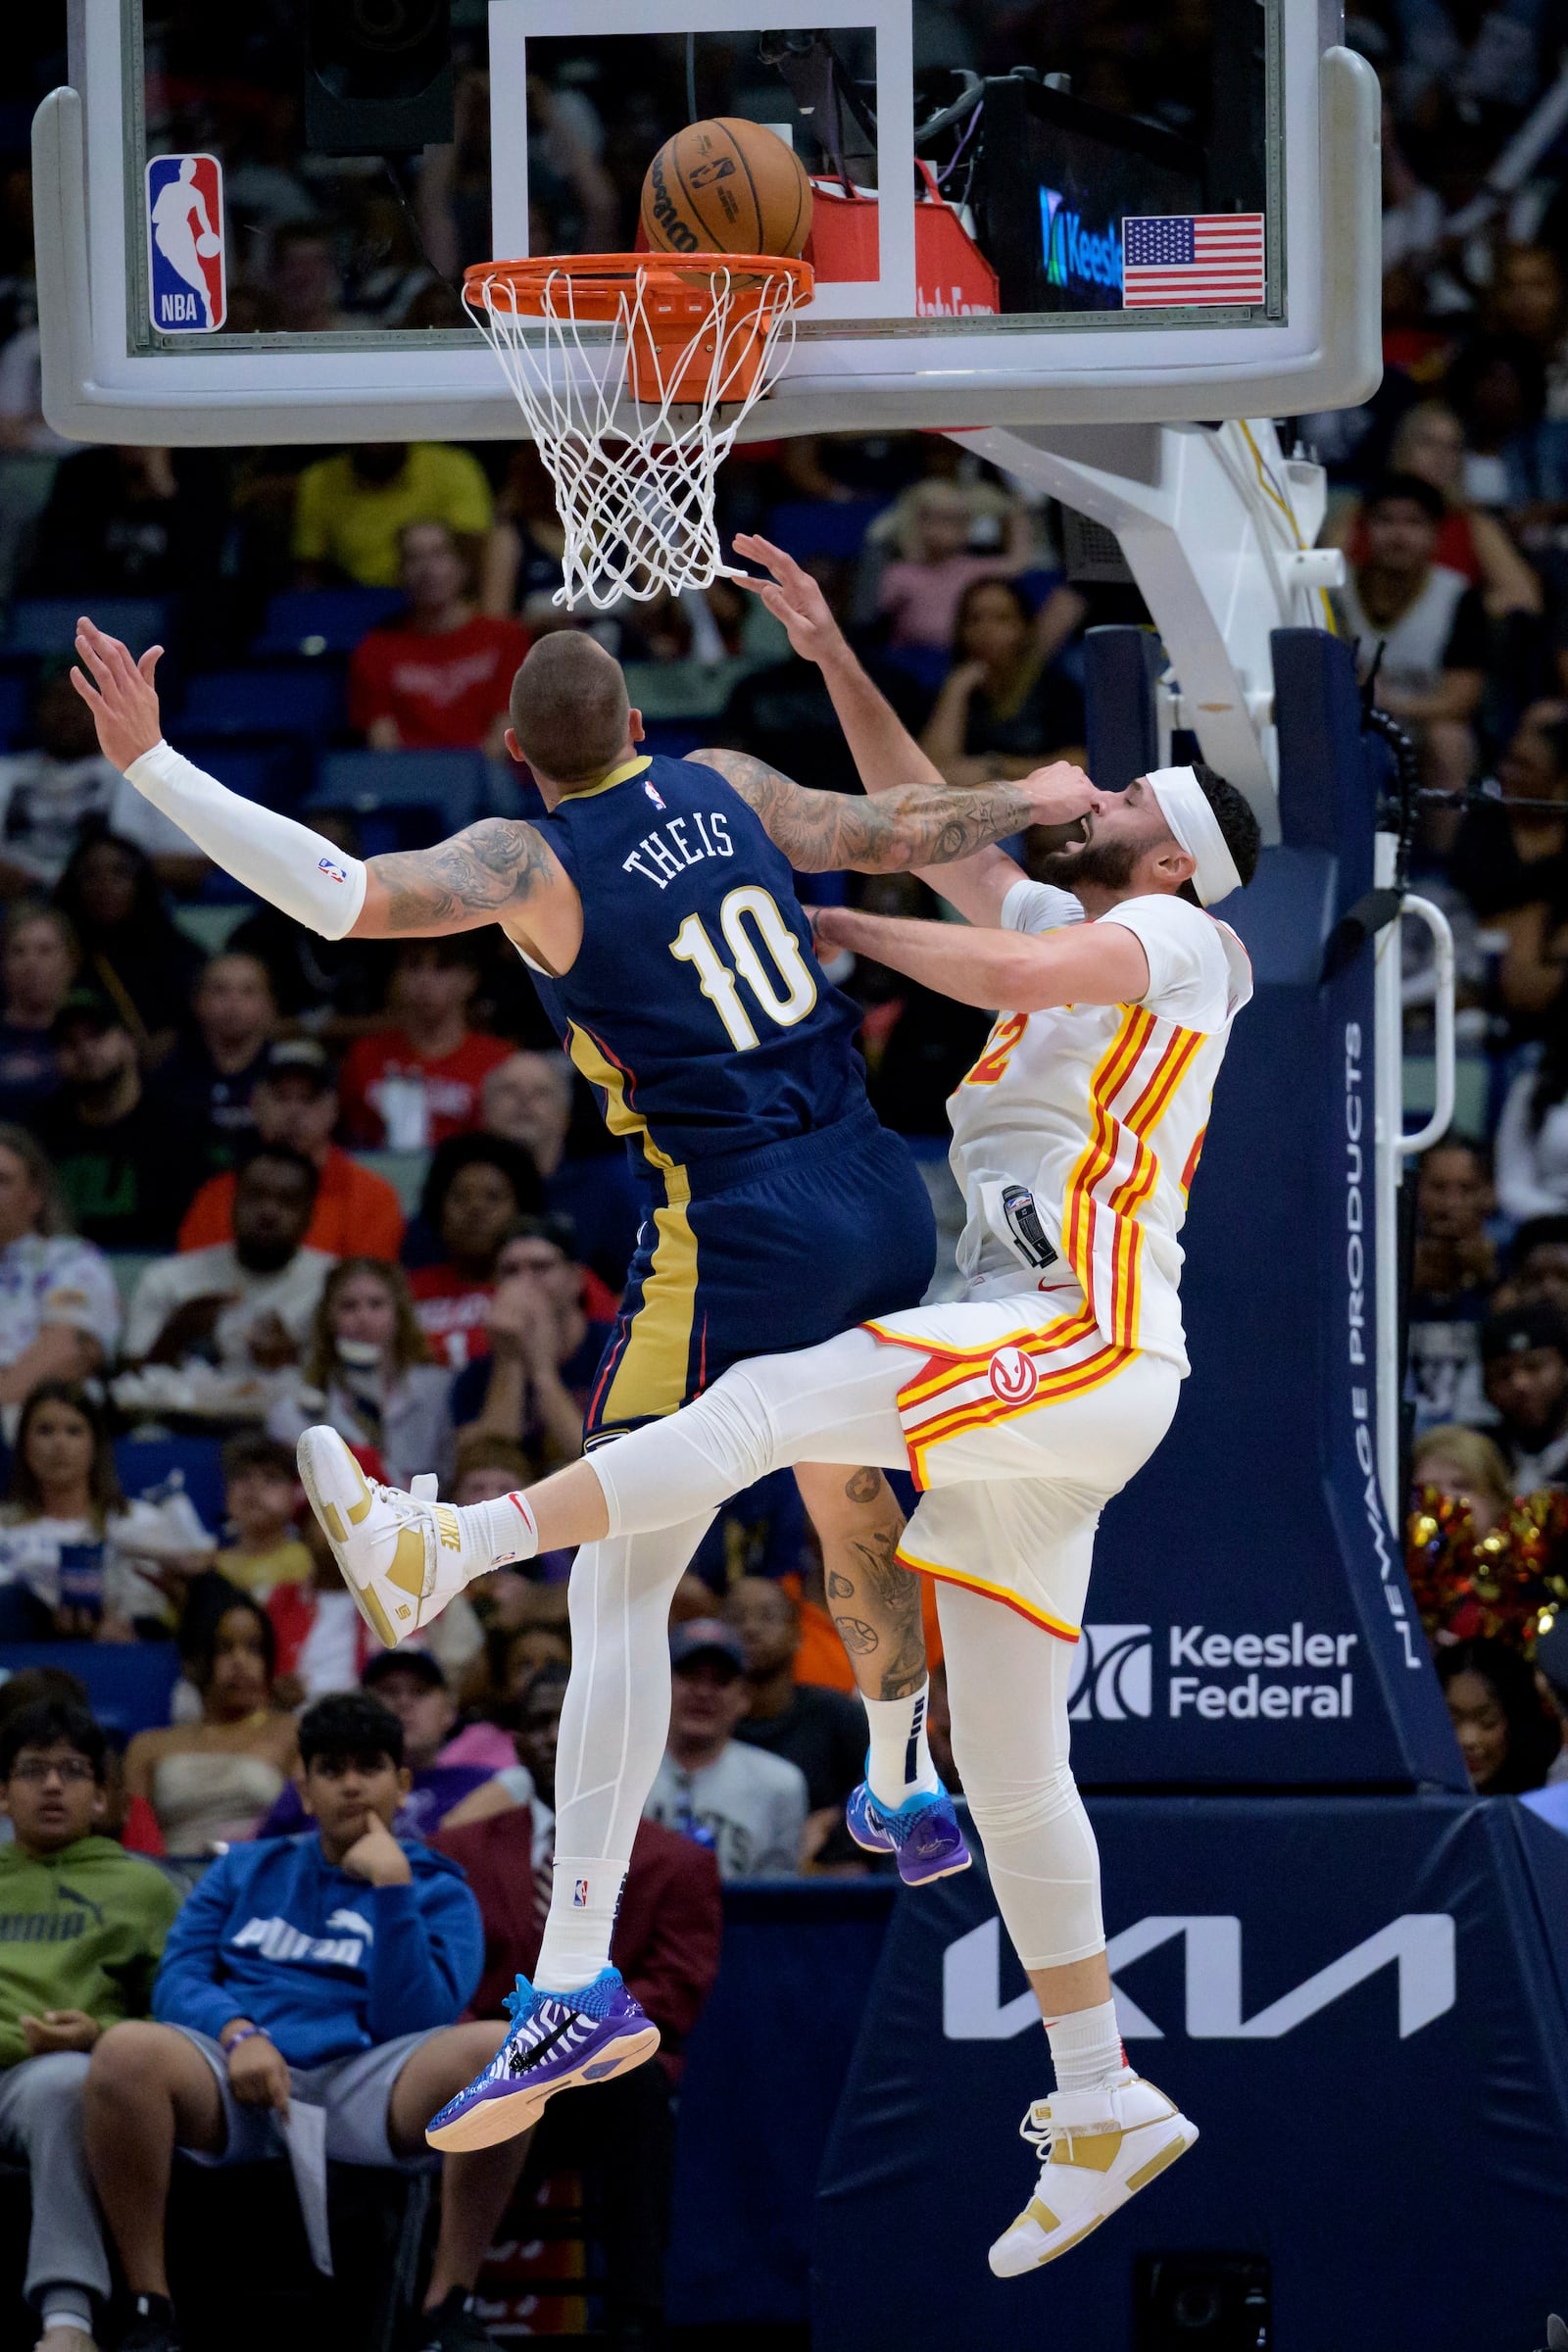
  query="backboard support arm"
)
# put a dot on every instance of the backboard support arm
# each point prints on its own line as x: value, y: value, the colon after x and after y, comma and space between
x: 1216, y: 526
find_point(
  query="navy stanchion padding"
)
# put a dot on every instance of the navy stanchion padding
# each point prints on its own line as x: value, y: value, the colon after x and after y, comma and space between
x: 145, y: 1462
x: 1120, y: 665
x: 1249, y: 1620
x: 128, y: 1682
x: 1361, y: 2002
x: 764, y: 2068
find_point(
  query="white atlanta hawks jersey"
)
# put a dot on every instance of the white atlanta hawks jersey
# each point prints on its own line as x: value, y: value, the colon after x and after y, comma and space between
x: 1097, y: 1113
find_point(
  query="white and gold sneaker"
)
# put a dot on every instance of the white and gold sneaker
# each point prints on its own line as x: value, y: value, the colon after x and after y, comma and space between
x: 403, y: 1556
x: 1101, y: 2147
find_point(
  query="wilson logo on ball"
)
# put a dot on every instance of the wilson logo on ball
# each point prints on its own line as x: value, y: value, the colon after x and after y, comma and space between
x: 1014, y: 1376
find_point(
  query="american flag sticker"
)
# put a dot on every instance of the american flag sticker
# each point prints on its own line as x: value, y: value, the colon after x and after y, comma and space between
x: 186, y: 289
x: 1206, y: 258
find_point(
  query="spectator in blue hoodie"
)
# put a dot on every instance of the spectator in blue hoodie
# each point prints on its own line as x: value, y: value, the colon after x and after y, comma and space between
x: 326, y: 1971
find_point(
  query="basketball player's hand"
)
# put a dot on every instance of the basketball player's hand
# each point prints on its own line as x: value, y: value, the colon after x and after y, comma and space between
x: 124, y: 702
x: 793, y: 597
x: 1059, y: 794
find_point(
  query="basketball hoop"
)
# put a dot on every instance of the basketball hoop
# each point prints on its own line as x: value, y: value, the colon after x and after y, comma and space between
x: 634, y: 417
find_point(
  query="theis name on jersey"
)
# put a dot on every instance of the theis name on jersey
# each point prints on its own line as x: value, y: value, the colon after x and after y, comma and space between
x: 663, y: 856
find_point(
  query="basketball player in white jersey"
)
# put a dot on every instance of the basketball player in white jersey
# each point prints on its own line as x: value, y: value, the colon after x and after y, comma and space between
x: 1021, y: 1409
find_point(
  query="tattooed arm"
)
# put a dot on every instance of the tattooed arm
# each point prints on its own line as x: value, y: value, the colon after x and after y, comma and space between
x: 884, y: 752
x: 497, y: 871
x: 889, y: 832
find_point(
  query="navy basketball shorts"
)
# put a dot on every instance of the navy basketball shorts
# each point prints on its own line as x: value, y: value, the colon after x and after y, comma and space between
x: 759, y: 1253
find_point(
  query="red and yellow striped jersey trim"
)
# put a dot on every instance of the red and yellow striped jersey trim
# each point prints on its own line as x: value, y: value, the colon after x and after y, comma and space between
x: 934, y: 1408
x: 1003, y: 1592
x: 1109, y: 1127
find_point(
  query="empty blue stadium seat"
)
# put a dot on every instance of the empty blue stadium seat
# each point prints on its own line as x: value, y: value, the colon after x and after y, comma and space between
x: 15, y: 704
x: 323, y: 620
x: 818, y: 526
x: 130, y: 1684
x: 927, y: 665
x: 304, y: 703
x: 145, y: 1462
x: 454, y: 786
x: 47, y: 624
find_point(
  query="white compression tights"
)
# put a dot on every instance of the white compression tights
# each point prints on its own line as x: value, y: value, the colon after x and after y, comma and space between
x: 1007, y: 1679
x: 615, y: 1720
x: 1008, y: 1688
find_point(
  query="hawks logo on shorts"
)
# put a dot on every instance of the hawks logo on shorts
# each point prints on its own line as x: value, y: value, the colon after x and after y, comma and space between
x: 958, y: 1391
x: 186, y: 290
x: 1013, y: 1376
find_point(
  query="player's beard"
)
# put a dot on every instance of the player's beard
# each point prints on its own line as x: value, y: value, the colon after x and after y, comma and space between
x: 1110, y: 863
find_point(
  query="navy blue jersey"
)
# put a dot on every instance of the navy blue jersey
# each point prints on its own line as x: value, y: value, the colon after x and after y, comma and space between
x: 695, y: 1005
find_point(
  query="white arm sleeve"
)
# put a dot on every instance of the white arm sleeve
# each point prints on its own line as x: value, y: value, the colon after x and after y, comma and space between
x: 295, y: 869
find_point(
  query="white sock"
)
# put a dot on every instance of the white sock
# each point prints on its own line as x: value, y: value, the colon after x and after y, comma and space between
x: 900, y: 1764
x: 503, y: 1529
x: 584, y: 1898
x: 1086, y: 2047
x: 67, y: 2307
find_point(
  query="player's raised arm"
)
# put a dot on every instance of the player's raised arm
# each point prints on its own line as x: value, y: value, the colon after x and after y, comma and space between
x: 1083, y: 963
x: 497, y: 870
x: 885, y: 753
x: 915, y: 825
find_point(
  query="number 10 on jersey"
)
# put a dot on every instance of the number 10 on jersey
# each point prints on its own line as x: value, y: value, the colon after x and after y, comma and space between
x: 785, y: 994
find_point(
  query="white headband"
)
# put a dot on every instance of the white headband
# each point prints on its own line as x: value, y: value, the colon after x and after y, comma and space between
x: 1195, y: 826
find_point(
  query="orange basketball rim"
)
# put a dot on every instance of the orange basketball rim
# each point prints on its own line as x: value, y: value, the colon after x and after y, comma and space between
x: 634, y: 372
x: 698, y: 327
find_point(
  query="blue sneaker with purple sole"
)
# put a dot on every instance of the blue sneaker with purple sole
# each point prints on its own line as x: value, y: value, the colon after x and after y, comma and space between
x: 557, y: 2042
x: 923, y: 1836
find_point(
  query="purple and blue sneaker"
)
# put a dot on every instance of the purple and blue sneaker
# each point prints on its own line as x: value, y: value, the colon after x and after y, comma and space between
x: 923, y: 1836
x: 558, y: 2041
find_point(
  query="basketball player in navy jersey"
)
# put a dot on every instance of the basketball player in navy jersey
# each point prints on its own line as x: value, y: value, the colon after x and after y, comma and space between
x: 655, y: 904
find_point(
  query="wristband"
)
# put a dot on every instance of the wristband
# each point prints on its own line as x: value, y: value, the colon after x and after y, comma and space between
x: 245, y: 2033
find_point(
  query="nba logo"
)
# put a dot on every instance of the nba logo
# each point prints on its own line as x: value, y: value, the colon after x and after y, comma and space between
x: 579, y: 1894
x: 186, y: 294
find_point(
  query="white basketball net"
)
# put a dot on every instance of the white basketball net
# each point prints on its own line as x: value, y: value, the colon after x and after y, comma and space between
x: 634, y: 470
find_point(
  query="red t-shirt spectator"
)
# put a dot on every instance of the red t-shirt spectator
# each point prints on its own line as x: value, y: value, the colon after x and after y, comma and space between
x: 396, y: 1098
x: 442, y: 689
x: 454, y: 1314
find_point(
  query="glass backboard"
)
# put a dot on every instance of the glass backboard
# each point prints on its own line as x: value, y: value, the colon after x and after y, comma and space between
x: 252, y: 222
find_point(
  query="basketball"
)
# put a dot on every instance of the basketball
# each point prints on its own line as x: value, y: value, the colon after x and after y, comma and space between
x: 726, y: 186
x: 207, y: 244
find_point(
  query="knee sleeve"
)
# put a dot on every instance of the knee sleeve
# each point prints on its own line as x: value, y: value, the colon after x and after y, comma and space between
x: 1008, y: 1690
